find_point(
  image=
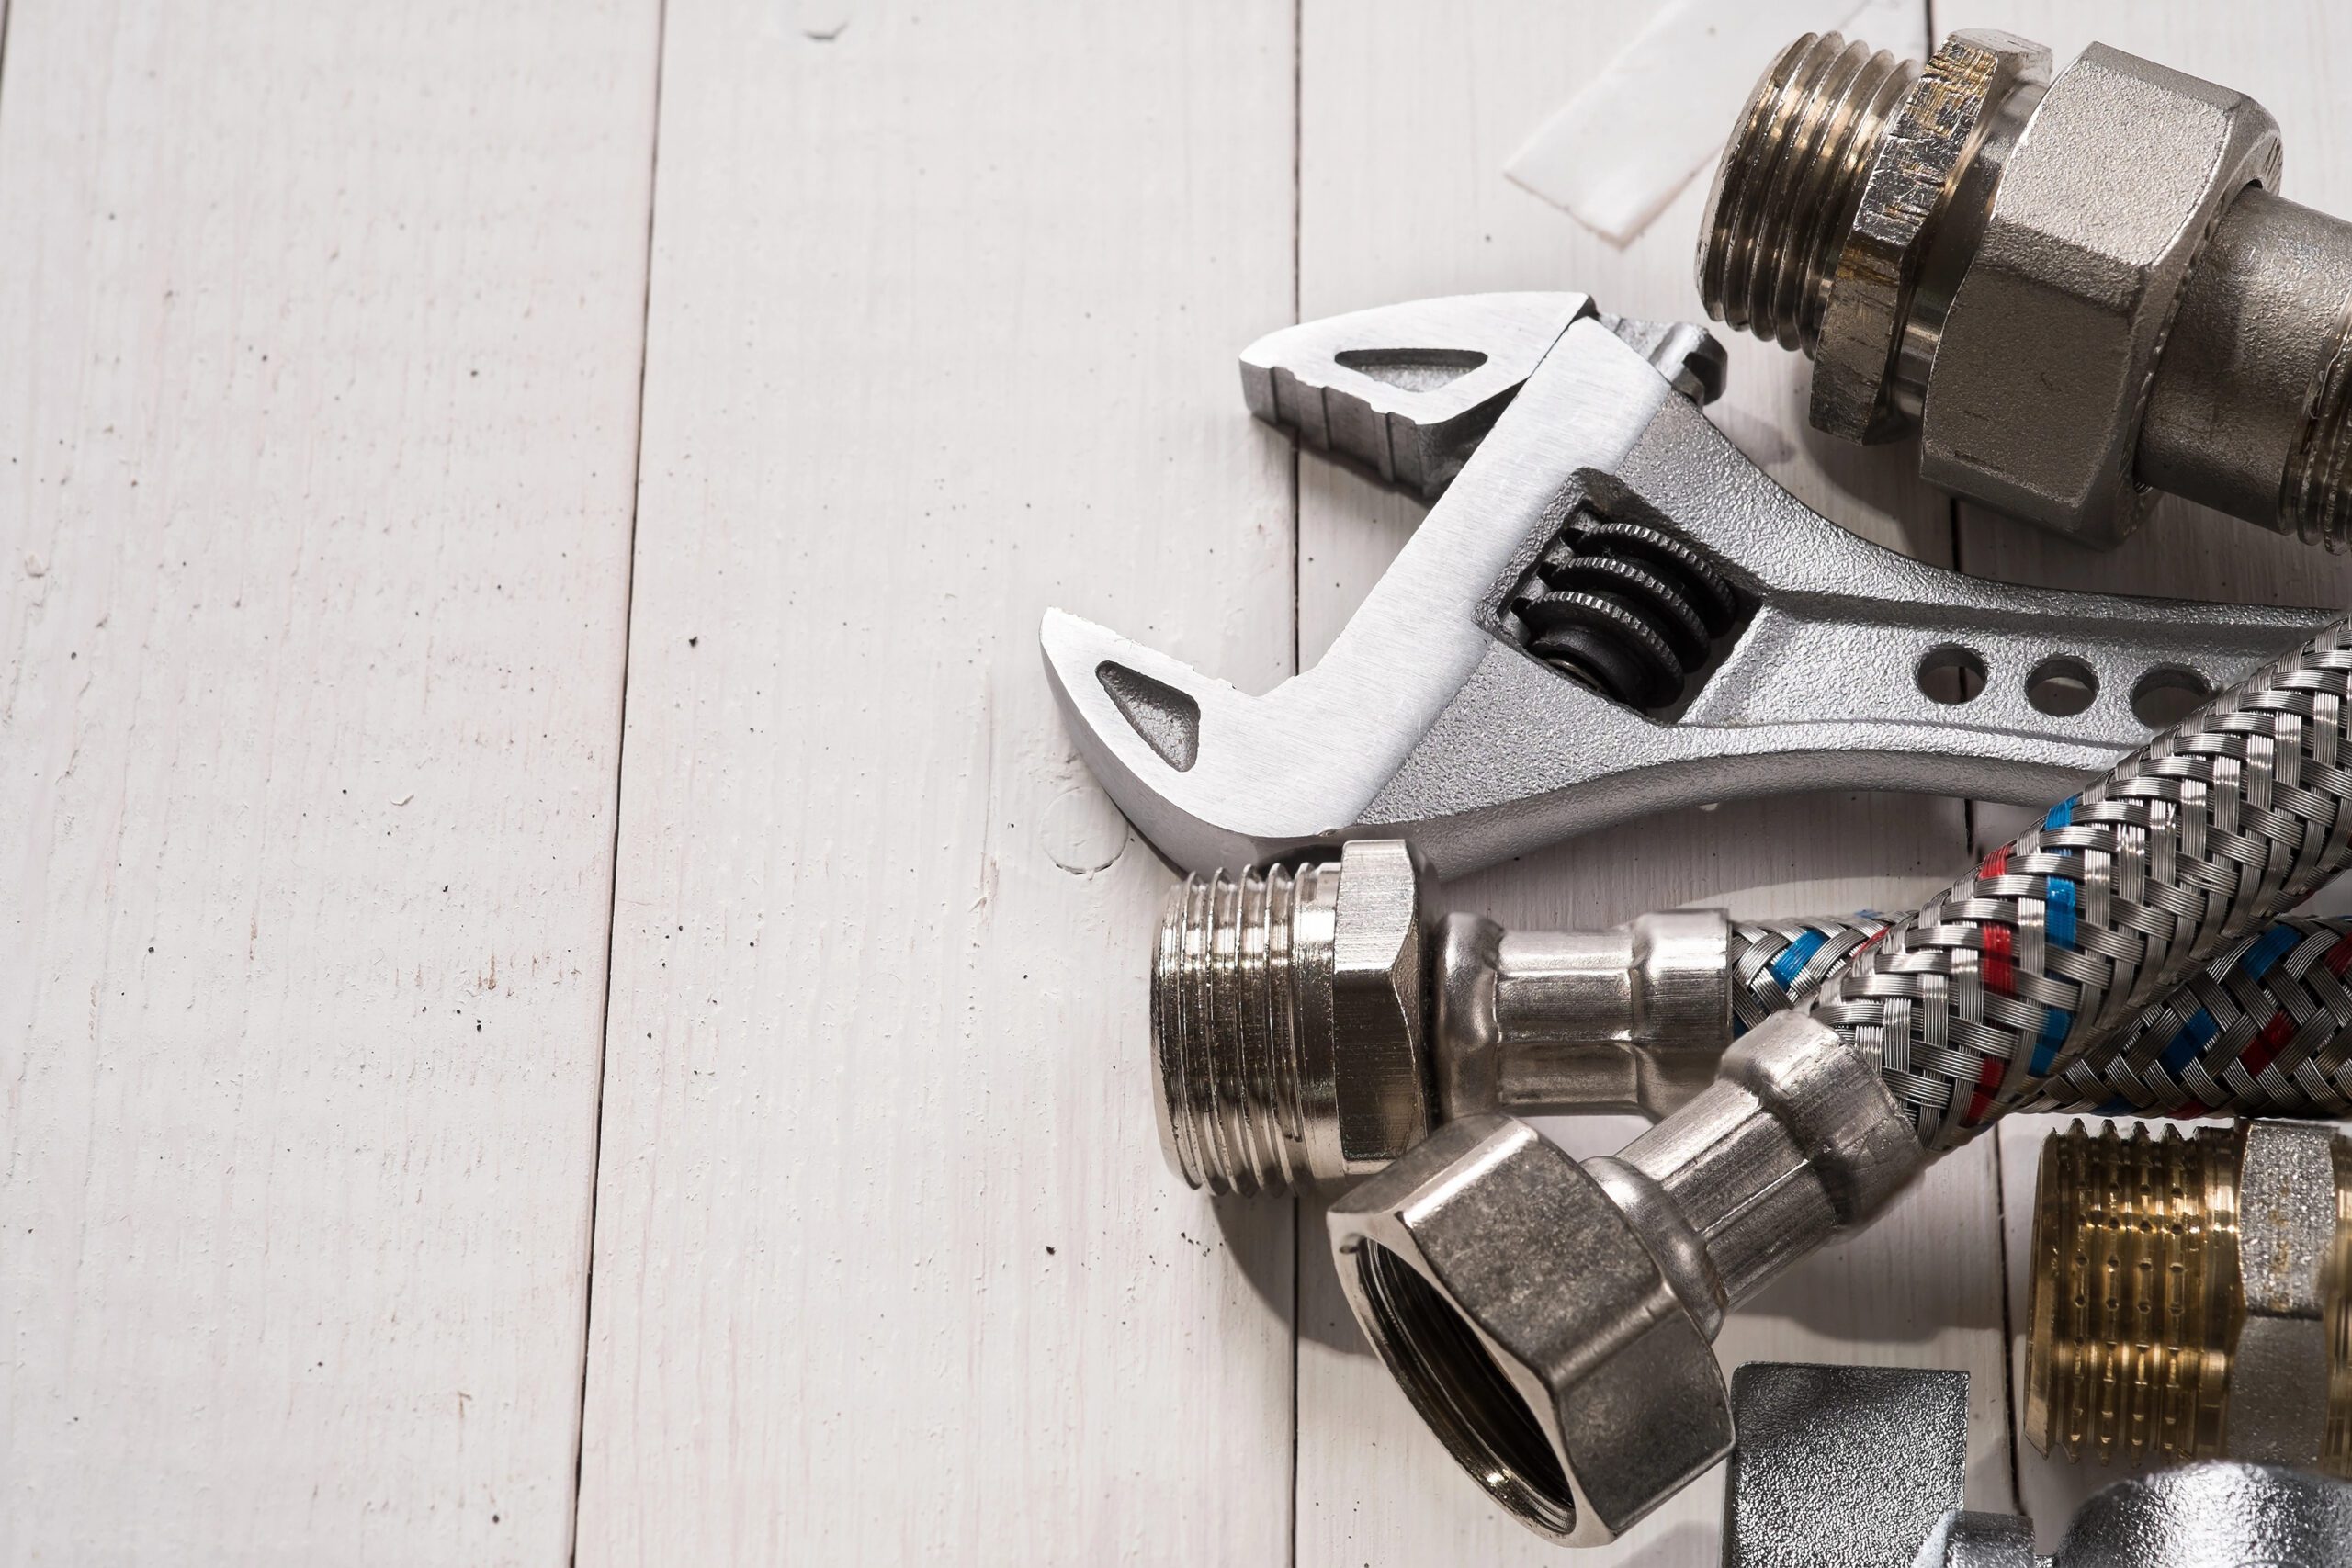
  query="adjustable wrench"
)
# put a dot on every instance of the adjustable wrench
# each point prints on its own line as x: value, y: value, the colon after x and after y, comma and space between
x: 1609, y: 611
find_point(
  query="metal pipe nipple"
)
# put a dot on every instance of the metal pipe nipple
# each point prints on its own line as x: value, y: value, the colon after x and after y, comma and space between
x: 1789, y: 182
x: 1226, y: 1052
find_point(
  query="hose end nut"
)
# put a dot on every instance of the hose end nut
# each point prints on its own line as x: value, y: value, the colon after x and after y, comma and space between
x: 1532, y: 1329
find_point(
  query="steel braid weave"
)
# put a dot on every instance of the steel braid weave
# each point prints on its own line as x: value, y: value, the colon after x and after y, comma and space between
x: 2263, y: 1029
x: 2030, y: 968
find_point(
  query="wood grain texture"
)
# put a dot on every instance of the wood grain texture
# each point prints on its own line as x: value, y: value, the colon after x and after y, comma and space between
x: 319, y: 391
x: 1407, y: 115
x: 319, y: 356
x: 887, y: 1268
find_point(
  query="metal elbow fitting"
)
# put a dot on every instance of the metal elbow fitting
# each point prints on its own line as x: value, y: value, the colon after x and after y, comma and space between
x: 1310, y: 1024
x: 1552, y: 1321
x: 2189, y: 1297
x: 2082, y: 291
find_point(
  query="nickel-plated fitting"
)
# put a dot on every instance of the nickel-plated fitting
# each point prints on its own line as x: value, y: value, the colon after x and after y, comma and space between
x: 2189, y: 1295
x: 1552, y: 1321
x: 2081, y: 289
x: 1861, y: 1467
x: 1310, y: 1025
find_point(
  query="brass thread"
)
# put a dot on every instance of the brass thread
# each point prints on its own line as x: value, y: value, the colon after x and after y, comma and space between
x: 2337, y: 1458
x: 1790, y: 181
x: 2136, y: 1302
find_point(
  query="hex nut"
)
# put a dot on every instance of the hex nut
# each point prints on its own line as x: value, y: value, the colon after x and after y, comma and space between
x: 1380, y: 1082
x: 2279, y: 1368
x: 1930, y: 137
x: 2051, y: 339
x: 1531, y: 1328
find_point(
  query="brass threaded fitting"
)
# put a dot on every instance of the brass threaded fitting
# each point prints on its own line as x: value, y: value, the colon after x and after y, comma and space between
x: 1786, y: 190
x: 2142, y: 1248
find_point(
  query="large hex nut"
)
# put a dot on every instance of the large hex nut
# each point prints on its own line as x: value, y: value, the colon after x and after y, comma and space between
x: 1932, y: 137
x: 1379, y: 1064
x: 1533, y: 1331
x: 2278, y: 1370
x: 2034, y: 400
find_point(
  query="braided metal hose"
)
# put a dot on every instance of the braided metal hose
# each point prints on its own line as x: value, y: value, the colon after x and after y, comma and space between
x: 2262, y: 1029
x: 2026, y: 974
x: 1587, y: 1294
x: 1301, y: 1034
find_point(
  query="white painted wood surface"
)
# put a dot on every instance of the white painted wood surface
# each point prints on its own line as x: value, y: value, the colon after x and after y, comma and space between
x: 318, y: 357
x: 320, y: 383
x: 887, y: 1267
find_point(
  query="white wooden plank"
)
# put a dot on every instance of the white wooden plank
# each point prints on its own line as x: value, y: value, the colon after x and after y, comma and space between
x: 319, y: 354
x: 1407, y: 115
x: 2288, y: 55
x: 887, y: 1268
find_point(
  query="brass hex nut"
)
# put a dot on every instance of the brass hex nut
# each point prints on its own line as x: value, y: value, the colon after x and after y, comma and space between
x: 1531, y: 1328
x: 1932, y: 136
x: 1378, y: 1065
x: 2051, y: 339
x: 2279, y: 1368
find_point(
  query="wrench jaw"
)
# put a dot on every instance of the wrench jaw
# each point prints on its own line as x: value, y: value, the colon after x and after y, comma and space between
x: 1194, y: 762
x: 1405, y: 391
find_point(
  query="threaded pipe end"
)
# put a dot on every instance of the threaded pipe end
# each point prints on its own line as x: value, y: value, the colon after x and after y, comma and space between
x: 2315, y: 496
x: 1789, y: 184
x: 2135, y: 1296
x: 1226, y: 1025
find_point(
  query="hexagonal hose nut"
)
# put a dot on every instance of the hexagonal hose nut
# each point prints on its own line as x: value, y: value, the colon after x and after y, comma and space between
x: 2081, y: 291
x: 1532, y: 1329
x: 1552, y: 1321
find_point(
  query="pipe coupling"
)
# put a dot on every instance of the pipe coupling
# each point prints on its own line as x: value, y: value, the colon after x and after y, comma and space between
x: 1311, y: 1023
x: 2081, y: 289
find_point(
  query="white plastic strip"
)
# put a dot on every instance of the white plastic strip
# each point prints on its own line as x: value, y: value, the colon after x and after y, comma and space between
x: 1618, y: 151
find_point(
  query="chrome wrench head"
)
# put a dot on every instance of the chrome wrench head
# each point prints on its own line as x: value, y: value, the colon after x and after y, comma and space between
x: 1609, y: 611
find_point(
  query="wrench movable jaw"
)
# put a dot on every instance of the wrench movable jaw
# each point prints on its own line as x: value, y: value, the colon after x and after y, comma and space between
x: 1609, y: 611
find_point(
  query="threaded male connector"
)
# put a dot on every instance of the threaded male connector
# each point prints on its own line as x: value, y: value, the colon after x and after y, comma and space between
x: 2191, y: 1298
